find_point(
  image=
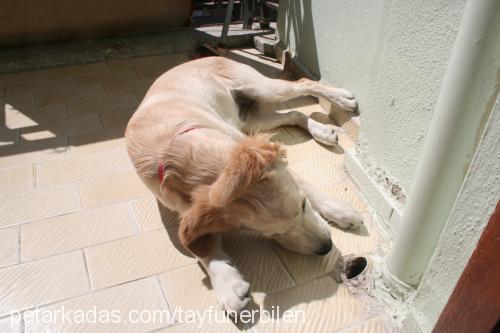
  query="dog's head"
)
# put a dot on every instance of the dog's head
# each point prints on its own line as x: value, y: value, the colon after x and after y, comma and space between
x: 255, y: 190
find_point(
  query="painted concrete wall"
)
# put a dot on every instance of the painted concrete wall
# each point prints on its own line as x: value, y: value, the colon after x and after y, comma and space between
x: 473, y: 209
x: 392, y: 55
x: 479, y: 192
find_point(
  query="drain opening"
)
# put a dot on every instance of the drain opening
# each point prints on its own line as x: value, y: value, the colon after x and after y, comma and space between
x: 354, y: 267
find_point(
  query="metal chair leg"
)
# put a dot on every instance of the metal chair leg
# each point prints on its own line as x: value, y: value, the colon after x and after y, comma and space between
x: 227, y: 22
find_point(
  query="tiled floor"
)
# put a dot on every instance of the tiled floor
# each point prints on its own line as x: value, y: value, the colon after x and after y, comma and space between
x: 79, y: 230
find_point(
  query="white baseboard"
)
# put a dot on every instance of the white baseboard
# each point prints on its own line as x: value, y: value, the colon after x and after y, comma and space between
x: 386, y: 210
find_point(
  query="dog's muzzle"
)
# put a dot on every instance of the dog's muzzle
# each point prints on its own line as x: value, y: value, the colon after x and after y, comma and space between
x: 325, y: 248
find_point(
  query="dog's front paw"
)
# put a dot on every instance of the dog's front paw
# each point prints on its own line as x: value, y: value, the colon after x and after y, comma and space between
x: 230, y: 288
x: 322, y: 133
x: 234, y: 298
x: 342, y: 98
x: 347, y: 222
x: 342, y: 215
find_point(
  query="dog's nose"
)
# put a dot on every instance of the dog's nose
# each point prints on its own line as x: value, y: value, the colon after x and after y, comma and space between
x: 325, y: 248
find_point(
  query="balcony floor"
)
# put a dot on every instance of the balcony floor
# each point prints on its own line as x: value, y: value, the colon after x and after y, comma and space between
x: 79, y: 230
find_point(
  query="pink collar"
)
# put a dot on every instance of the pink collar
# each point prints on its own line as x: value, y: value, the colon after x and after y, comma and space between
x: 161, y: 166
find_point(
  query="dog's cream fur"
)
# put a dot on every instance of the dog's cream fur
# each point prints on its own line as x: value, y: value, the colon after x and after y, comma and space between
x: 217, y: 177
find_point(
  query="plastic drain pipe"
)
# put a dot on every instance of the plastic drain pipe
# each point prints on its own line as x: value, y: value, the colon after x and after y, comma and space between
x: 440, y: 171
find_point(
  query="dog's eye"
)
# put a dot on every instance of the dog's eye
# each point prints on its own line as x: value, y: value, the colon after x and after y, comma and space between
x: 304, y: 205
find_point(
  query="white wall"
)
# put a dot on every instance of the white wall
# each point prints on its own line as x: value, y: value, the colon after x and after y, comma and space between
x: 480, y: 191
x: 474, y: 206
x: 391, y: 54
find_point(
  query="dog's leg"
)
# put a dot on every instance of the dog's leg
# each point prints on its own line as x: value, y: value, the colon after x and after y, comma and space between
x: 253, y: 85
x: 335, y: 211
x: 227, y: 283
x: 261, y: 121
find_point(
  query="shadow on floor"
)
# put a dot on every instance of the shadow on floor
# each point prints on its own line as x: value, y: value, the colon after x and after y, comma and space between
x: 258, y: 280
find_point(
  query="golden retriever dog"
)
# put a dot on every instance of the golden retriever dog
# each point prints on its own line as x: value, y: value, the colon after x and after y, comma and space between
x: 196, y: 148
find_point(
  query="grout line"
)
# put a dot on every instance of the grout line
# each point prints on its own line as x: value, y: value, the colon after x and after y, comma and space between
x: 33, y: 165
x: 283, y: 265
x: 169, y: 306
x: 43, y: 218
x: 137, y: 96
x: 161, y: 329
x: 101, y: 89
x: 33, y: 101
x: 319, y: 276
x: 134, y: 68
x: 100, y: 121
x: 45, y: 74
x: 79, y: 192
x: 65, y: 110
x: 85, y: 264
x: 105, y: 61
x: 18, y: 245
x: 357, y: 323
x: 142, y: 277
x: 266, y: 242
x: 66, y: 148
x: 17, y: 138
x: 173, y: 270
x: 134, y: 218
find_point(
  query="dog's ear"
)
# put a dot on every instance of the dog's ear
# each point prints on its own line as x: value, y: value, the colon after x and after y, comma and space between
x: 210, y: 211
x: 200, y: 222
x: 246, y: 164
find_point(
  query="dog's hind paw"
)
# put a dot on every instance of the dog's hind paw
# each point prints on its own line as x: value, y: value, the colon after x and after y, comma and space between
x: 342, y: 98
